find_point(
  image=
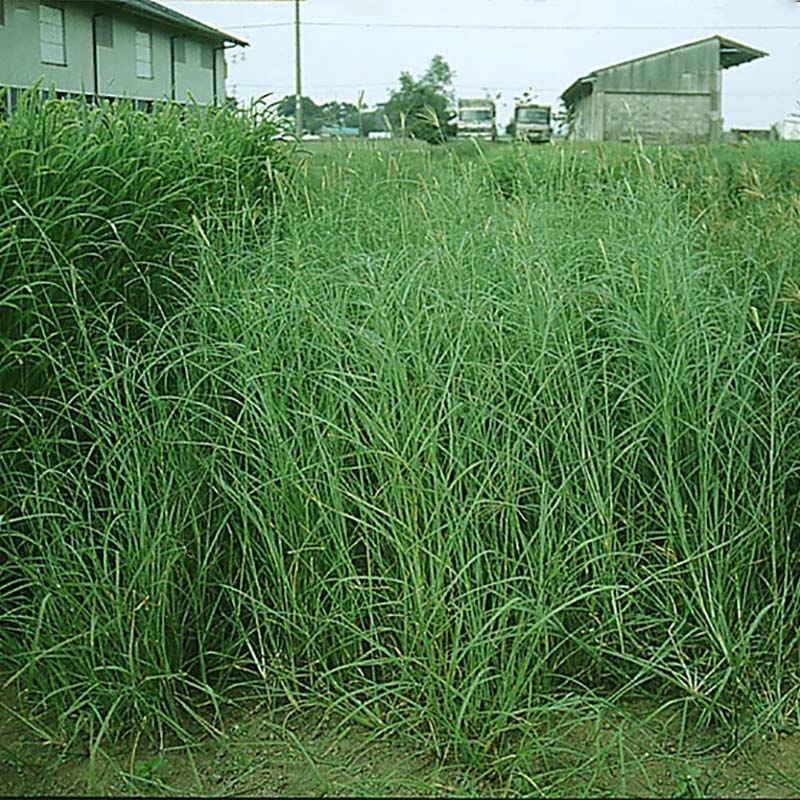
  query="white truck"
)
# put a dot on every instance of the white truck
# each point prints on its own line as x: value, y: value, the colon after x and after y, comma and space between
x: 476, y: 118
x: 790, y: 128
x: 532, y: 122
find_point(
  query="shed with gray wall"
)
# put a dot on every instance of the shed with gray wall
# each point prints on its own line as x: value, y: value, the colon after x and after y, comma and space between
x: 673, y: 95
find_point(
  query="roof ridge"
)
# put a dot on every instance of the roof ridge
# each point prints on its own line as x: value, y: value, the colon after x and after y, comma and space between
x: 153, y: 9
x: 756, y: 53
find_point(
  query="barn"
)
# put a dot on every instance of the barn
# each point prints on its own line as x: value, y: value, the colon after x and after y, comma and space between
x: 671, y: 95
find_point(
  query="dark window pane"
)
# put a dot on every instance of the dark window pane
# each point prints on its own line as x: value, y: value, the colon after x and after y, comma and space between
x: 104, y: 31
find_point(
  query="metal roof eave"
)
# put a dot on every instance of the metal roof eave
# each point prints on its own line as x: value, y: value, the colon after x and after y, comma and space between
x: 580, y: 88
x: 743, y: 51
x: 733, y: 53
x: 153, y: 10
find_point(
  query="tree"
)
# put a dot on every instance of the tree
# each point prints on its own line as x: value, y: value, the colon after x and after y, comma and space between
x: 342, y: 114
x: 528, y: 96
x: 439, y: 76
x: 373, y: 120
x: 334, y: 113
x: 420, y: 108
x: 312, y: 113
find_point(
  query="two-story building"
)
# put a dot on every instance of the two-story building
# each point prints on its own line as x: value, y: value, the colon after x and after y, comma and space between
x: 137, y: 49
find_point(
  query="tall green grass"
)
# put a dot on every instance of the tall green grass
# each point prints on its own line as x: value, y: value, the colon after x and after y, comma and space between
x: 450, y: 444
x: 105, y: 215
x: 97, y: 206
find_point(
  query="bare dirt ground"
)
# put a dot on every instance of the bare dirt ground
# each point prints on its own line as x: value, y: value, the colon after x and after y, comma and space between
x: 635, y: 754
x: 261, y: 755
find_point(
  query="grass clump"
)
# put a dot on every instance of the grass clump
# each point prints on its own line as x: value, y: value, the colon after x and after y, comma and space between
x: 105, y: 219
x: 97, y: 203
x: 446, y: 459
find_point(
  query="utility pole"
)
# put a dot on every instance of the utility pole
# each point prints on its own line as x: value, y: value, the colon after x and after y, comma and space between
x: 298, y: 107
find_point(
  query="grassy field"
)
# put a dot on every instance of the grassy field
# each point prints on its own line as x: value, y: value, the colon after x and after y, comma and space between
x: 472, y: 447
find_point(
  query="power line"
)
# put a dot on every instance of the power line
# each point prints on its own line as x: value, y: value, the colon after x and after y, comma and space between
x: 318, y: 85
x: 264, y: 25
x: 539, y: 89
x: 455, y: 26
x: 388, y: 84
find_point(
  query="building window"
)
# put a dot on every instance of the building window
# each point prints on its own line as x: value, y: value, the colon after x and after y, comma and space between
x: 104, y: 31
x: 51, y: 35
x: 144, y: 54
x: 179, y: 50
x: 207, y: 57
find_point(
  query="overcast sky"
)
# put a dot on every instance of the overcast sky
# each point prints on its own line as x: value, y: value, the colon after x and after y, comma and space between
x: 500, y: 46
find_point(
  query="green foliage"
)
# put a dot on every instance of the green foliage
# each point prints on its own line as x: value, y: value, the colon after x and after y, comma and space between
x: 419, y: 108
x: 688, y: 783
x: 341, y: 114
x: 332, y: 113
x: 373, y: 120
x: 451, y: 458
x: 105, y: 214
x: 96, y: 212
x: 148, y: 769
x: 439, y: 76
x: 312, y: 113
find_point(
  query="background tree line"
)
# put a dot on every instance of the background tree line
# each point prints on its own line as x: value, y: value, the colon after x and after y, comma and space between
x: 419, y: 108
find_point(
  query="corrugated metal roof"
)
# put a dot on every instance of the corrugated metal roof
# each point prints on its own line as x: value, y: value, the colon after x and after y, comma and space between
x: 153, y: 10
x: 731, y: 54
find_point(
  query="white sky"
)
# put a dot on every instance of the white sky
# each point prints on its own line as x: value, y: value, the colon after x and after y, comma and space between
x: 545, y: 44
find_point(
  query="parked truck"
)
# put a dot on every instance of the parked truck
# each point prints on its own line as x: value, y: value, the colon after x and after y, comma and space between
x: 790, y: 128
x: 532, y: 122
x: 476, y: 118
